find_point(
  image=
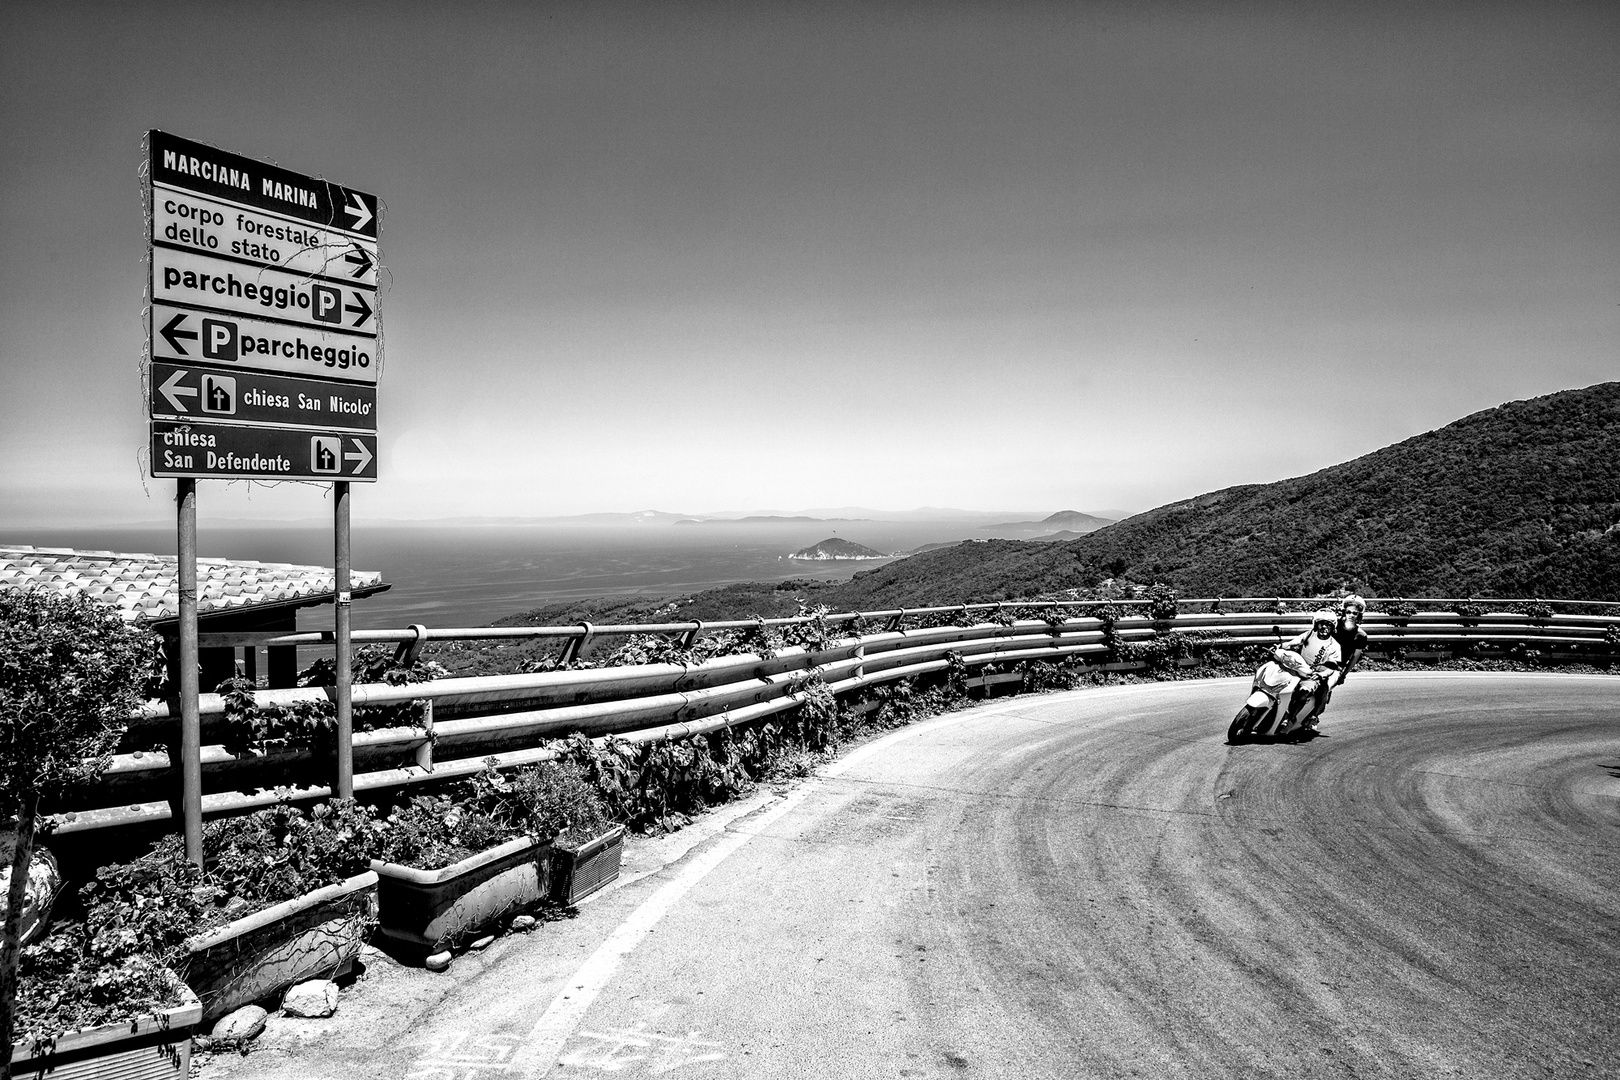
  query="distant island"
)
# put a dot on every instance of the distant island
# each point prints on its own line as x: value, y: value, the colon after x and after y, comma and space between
x: 761, y: 519
x: 1063, y: 525
x: 833, y: 548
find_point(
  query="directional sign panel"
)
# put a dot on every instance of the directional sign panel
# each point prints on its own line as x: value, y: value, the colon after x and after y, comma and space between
x: 256, y: 344
x: 264, y: 319
x: 208, y: 171
x: 203, y: 281
x: 220, y: 395
x: 257, y: 453
x: 214, y: 227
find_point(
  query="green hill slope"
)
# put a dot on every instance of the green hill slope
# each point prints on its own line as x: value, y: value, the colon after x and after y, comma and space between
x: 1522, y: 499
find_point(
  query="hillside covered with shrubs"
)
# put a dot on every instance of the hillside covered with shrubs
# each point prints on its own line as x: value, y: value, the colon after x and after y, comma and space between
x: 1519, y: 500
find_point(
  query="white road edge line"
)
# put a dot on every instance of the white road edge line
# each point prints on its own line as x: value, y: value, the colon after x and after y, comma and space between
x: 562, y: 1016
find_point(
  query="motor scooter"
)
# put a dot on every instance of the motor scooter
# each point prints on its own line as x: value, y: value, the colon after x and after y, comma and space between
x: 1259, y: 712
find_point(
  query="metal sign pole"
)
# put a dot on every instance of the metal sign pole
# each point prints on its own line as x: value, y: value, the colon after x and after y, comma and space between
x: 190, y: 720
x: 345, y: 715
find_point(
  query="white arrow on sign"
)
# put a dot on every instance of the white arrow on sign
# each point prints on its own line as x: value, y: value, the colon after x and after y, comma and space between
x: 172, y: 390
x: 359, y: 211
x: 363, y: 457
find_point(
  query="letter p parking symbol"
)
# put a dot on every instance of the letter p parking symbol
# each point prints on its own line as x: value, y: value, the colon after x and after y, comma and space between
x: 219, y: 340
x: 328, y: 304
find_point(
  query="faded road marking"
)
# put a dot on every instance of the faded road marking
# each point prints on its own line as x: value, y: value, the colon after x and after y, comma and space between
x: 621, y: 1048
x: 462, y: 1057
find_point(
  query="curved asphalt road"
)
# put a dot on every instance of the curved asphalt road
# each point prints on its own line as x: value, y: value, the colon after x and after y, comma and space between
x: 1094, y: 884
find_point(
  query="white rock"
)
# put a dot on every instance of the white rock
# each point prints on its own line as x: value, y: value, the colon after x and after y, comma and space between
x: 44, y: 883
x: 439, y: 961
x: 483, y: 942
x: 312, y: 1000
x: 523, y: 923
x: 240, y: 1026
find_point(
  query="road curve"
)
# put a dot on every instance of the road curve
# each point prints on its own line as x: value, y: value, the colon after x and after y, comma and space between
x: 1094, y: 884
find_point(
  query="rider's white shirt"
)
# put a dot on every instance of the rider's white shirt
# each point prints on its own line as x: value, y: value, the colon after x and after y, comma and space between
x: 1316, y: 651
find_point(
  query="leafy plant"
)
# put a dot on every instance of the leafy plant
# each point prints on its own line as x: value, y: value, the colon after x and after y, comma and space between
x: 247, y: 725
x: 1162, y: 606
x: 431, y: 832
x: 1399, y: 610
x: 553, y: 799
x: 137, y: 915
x: 70, y: 671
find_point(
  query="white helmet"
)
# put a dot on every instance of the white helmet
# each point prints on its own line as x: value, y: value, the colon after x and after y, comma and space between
x: 1353, y: 603
x: 1324, y: 616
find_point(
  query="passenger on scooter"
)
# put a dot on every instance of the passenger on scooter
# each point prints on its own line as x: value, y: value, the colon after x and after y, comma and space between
x: 1320, y: 652
x: 1353, y: 643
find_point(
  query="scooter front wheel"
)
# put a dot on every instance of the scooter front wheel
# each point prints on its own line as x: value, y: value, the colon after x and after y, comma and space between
x: 1239, y: 731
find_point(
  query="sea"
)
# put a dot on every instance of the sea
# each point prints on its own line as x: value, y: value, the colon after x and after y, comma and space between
x: 465, y: 576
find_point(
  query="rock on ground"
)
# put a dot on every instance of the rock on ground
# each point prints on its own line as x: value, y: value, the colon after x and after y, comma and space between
x: 313, y: 999
x: 240, y: 1026
x: 439, y: 961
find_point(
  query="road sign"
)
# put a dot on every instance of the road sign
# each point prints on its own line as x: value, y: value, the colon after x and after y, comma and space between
x: 220, y: 395
x: 210, y: 171
x: 255, y: 344
x: 260, y: 453
x: 214, y: 227
x: 264, y: 319
x: 218, y: 284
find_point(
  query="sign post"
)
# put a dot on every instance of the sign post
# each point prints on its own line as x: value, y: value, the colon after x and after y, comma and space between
x: 344, y: 704
x: 263, y: 339
x: 190, y: 717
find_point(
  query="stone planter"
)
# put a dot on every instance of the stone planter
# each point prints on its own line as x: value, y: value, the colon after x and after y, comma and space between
x: 424, y: 911
x: 579, y: 872
x: 317, y: 935
x: 154, y: 1047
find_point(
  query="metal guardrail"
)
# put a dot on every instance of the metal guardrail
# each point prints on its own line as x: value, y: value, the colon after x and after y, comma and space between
x: 510, y: 717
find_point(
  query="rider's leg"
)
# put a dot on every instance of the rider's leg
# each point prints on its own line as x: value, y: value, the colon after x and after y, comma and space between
x: 1319, y: 703
x: 1284, y: 696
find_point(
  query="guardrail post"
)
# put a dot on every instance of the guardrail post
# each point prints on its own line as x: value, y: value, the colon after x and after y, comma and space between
x: 690, y: 637
x: 896, y: 619
x: 576, y: 645
x: 424, y: 753
x: 408, y: 651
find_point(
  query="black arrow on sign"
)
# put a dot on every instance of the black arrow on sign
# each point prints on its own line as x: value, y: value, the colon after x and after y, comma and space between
x: 363, y: 311
x: 361, y: 258
x: 171, y: 332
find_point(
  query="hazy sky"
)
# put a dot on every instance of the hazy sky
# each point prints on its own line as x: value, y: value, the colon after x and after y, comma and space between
x: 708, y: 256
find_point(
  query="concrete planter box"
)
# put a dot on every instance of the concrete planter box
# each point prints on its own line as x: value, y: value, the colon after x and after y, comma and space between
x: 579, y: 872
x: 317, y: 935
x: 154, y: 1047
x: 424, y: 911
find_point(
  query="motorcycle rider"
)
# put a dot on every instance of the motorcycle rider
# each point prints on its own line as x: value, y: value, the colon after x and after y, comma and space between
x: 1353, y: 643
x: 1320, y: 651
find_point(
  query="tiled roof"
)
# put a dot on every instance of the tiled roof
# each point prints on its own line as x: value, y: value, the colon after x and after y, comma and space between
x: 144, y: 586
